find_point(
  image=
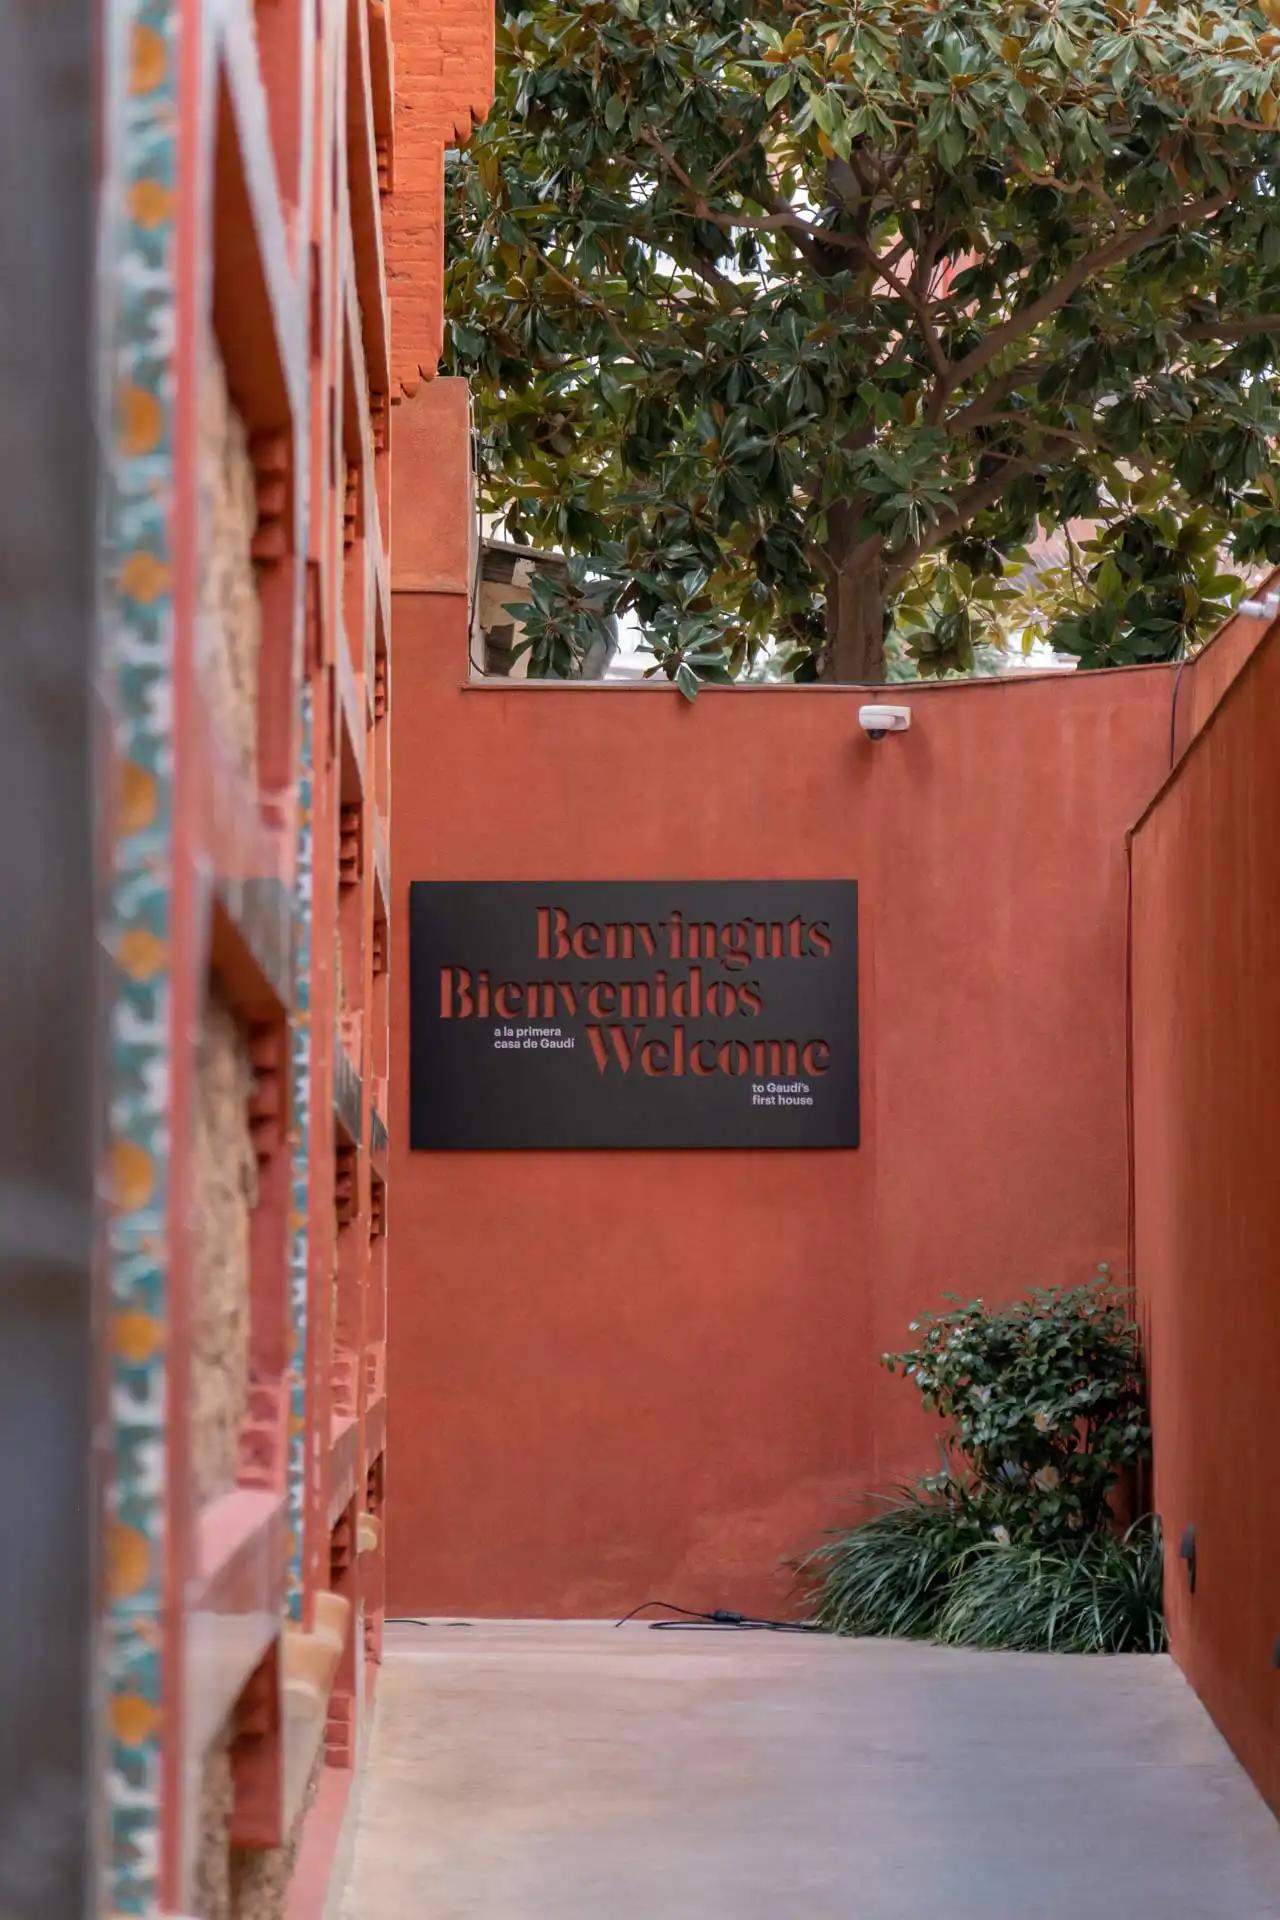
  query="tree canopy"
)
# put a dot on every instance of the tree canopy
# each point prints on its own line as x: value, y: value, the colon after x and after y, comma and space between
x: 799, y: 325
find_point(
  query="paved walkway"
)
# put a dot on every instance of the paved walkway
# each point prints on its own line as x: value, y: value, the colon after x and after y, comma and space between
x: 583, y: 1773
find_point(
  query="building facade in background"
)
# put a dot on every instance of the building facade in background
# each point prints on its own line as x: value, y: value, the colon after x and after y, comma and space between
x: 271, y: 225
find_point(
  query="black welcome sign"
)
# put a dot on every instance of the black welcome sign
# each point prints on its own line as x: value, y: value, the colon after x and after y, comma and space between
x: 553, y: 1014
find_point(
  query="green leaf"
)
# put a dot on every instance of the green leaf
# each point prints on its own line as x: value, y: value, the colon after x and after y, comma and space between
x: 1110, y: 580
x: 687, y: 681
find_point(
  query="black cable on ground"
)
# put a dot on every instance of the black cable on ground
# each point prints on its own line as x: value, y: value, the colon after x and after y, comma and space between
x: 719, y: 1620
x: 411, y: 1620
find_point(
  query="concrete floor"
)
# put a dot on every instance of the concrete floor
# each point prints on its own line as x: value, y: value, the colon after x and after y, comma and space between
x: 582, y: 1773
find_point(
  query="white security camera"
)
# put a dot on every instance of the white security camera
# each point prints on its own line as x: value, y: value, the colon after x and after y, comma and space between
x: 877, y: 721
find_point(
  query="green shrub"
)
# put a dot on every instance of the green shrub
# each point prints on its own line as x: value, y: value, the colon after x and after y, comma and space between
x: 915, y: 1572
x: 1044, y: 1400
x: 1013, y: 1543
x: 1096, y: 1595
x: 889, y: 1576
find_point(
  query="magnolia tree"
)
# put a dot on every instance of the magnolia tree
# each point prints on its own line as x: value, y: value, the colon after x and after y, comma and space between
x: 799, y: 325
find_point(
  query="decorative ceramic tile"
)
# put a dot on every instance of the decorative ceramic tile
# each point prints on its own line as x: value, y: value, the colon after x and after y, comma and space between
x: 300, y: 1091
x: 138, y: 321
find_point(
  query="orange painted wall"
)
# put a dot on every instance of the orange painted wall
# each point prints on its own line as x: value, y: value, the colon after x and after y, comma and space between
x: 614, y: 1376
x: 1206, y: 947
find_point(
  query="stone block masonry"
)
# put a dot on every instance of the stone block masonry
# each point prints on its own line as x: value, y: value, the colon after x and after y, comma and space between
x: 228, y: 614
x: 225, y: 1179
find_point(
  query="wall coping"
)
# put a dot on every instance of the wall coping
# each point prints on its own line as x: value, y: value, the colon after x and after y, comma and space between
x: 898, y: 689
x: 902, y: 689
x: 1226, y: 698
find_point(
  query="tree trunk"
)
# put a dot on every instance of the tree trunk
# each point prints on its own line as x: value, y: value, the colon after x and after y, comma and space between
x: 856, y: 598
x: 855, y: 629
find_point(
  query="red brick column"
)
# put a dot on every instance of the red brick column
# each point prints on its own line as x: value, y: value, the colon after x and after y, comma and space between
x: 444, y: 85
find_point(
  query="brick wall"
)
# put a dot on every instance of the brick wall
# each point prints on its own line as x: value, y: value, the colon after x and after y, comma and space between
x: 444, y: 85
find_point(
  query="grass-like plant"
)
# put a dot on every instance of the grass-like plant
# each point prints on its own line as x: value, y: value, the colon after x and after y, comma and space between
x: 1096, y: 1595
x: 891, y: 1575
x: 915, y: 1572
x: 1013, y: 1544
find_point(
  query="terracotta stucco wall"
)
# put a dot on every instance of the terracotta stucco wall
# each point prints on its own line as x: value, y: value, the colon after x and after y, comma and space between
x: 1206, y: 967
x: 627, y: 1374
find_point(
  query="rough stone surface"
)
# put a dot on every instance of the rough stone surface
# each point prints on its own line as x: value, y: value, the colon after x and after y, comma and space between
x: 260, y: 1875
x: 213, y: 1857
x: 229, y: 621
x: 225, y: 1190
x: 589, y: 1773
x: 240, y: 1883
x: 260, y: 1879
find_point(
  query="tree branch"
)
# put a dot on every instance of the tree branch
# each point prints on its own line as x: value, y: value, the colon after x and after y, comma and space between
x: 1246, y: 329
x: 979, y: 411
x: 1072, y: 563
x: 731, y: 159
x: 580, y: 293
x: 1111, y: 255
x: 707, y: 270
x: 785, y: 217
x: 921, y: 276
x: 673, y: 166
x: 973, y: 501
x: 1085, y: 442
x: 813, y: 241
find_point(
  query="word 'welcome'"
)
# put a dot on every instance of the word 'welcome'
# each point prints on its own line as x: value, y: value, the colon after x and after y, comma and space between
x: 618, y: 1009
